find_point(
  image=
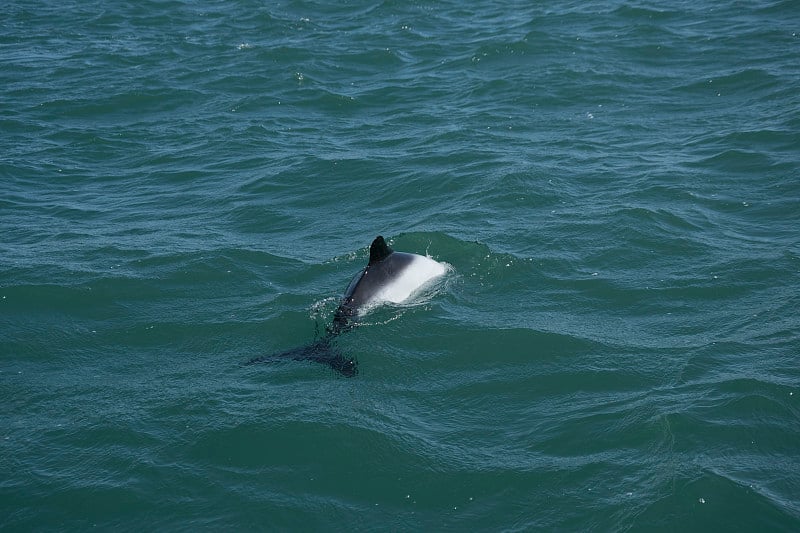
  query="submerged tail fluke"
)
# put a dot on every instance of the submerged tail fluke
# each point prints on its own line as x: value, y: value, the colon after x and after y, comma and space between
x: 321, y: 351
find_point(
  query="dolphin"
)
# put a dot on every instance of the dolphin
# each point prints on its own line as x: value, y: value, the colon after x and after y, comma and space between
x: 388, y: 277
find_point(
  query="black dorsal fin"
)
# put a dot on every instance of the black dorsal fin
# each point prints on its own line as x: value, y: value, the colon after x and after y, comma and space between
x: 379, y: 250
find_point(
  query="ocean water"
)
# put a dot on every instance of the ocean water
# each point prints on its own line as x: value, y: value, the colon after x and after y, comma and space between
x: 188, y: 185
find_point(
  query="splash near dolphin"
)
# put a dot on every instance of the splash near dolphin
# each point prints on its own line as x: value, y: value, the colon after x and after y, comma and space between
x: 388, y: 277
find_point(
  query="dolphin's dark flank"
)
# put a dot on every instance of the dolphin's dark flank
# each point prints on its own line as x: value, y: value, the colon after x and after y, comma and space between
x: 388, y: 277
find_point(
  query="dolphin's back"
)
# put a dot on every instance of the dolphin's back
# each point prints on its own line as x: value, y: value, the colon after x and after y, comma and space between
x: 376, y: 278
x: 403, y: 275
x: 392, y: 279
x: 388, y: 277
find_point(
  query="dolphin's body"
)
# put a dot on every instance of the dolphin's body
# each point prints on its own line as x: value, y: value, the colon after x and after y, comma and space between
x: 388, y: 277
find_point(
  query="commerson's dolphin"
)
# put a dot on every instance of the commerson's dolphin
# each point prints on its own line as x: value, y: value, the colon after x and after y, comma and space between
x: 388, y: 277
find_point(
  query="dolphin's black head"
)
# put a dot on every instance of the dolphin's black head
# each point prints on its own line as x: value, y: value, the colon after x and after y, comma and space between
x: 379, y: 250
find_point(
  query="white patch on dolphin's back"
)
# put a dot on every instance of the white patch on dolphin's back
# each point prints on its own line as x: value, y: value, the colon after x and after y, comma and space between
x: 417, y: 274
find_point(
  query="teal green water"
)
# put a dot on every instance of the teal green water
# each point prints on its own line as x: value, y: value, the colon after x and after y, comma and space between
x: 186, y: 185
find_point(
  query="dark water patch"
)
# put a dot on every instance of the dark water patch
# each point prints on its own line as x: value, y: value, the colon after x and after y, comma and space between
x: 735, y: 161
x: 636, y: 13
x: 706, y: 499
